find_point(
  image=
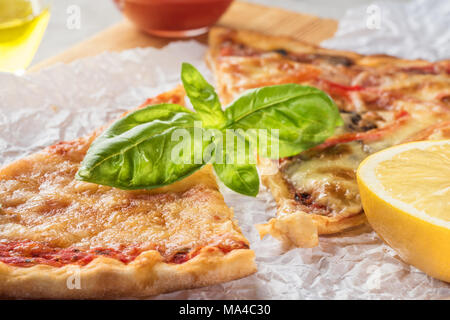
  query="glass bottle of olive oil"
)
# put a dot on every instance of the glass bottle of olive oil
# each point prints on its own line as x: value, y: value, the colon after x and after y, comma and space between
x: 22, y: 26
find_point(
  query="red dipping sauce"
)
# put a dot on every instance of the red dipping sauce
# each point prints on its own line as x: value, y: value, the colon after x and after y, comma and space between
x: 173, y: 18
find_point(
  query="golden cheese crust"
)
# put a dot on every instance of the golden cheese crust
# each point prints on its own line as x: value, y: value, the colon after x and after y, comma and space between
x: 185, y: 234
x: 383, y: 100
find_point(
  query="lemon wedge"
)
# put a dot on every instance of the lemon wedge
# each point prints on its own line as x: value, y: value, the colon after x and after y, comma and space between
x: 405, y: 192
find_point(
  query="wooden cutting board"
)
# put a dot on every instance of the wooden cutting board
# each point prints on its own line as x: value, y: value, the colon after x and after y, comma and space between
x: 240, y: 15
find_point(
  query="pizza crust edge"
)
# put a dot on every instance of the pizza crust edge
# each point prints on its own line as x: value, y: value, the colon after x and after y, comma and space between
x: 105, y: 277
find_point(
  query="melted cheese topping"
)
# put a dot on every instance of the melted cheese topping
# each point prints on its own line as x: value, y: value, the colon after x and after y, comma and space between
x: 326, y: 180
x: 419, y: 86
x: 241, y: 73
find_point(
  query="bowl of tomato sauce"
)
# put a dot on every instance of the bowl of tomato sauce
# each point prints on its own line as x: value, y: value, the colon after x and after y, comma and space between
x: 174, y: 18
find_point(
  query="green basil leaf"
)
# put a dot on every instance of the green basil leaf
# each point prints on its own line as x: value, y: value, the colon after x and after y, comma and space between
x: 303, y: 117
x: 202, y: 96
x: 137, y: 151
x: 234, y: 164
x: 241, y: 178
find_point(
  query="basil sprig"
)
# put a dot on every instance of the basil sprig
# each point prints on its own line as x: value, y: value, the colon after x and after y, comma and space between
x: 137, y: 151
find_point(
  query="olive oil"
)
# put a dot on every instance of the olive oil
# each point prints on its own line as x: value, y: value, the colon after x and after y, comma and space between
x: 22, y: 26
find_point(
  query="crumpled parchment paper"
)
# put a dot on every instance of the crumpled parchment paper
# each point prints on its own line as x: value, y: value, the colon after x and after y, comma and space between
x: 66, y: 101
x: 418, y: 29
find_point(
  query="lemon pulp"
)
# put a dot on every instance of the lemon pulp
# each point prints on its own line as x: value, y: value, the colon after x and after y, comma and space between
x: 421, y: 178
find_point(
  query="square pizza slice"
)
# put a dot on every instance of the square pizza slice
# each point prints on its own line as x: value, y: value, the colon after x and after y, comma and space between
x: 63, y: 238
x: 383, y: 101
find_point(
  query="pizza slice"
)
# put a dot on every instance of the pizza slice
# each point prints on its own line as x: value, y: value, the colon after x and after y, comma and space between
x: 383, y: 101
x: 244, y: 59
x: 63, y: 238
